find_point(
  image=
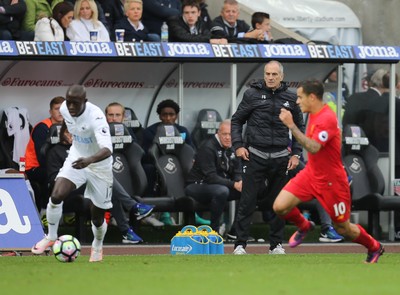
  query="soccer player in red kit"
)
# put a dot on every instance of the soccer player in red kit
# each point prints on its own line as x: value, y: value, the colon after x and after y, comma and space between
x: 324, y: 177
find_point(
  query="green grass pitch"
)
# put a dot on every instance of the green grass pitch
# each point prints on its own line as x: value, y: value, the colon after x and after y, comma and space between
x: 222, y: 274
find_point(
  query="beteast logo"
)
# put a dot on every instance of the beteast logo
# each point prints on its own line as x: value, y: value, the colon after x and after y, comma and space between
x: 12, y: 216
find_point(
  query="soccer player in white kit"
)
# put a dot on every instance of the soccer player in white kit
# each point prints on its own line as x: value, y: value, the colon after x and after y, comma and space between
x: 89, y: 161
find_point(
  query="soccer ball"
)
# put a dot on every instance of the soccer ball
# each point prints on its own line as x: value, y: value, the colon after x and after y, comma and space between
x: 66, y: 248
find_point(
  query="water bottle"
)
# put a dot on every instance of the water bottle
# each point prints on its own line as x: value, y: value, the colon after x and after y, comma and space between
x: 164, y: 32
x: 22, y: 164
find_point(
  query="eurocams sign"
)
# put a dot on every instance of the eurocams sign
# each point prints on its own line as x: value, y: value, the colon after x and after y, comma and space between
x: 20, y: 226
x: 344, y: 53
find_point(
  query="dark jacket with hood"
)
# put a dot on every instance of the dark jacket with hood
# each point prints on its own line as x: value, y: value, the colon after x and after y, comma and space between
x: 179, y: 31
x: 260, y: 109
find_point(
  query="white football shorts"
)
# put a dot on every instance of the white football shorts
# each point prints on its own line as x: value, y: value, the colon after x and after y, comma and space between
x: 98, y: 184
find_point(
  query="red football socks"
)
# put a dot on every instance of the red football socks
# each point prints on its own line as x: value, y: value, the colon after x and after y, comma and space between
x: 366, y: 240
x: 297, y: 219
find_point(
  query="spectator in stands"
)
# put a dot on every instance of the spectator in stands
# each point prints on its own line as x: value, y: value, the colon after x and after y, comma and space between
x: 115, y: 112
x: 86, y: 21
x: 54, y: 28
x: 189, y: 27
x: 261, y: 21
x: 113, y: 12
x: 100, y: 14
x: 35, y: 162
x: 229, y: 26
x: 134, y: 28
x: 155, y: 12
x: 204, y: 15
x: 11, y: 14
x: 216, y: 175
x: 120, y: 198
x: 35, y: 10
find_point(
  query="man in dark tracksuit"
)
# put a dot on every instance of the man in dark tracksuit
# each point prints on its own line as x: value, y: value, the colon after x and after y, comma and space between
x: 216, y: 175
x: 265, y: 153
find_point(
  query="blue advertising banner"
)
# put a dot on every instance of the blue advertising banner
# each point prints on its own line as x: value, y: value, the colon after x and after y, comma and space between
x: 315, y: 52
x: 40, y: 48
x: 187, y: 50
x: 139, y: 49
x: 20, y: 226
x: 377, y: 52
x: 7, y: 48
x: 277, y: 51
x: 90, y: 48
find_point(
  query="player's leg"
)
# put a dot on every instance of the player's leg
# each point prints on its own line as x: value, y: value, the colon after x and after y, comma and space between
x: 99, y: 190
x: 99, y: 229
x: 357, y: 234
x: 337, y: 202
x: 285, y: 206
x: 62, y: 188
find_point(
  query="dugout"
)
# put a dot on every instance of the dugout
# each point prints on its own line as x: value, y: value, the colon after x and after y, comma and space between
x: 140, y: 75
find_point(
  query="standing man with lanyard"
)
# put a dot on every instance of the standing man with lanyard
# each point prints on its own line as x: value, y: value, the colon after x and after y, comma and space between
x: 264, y: 149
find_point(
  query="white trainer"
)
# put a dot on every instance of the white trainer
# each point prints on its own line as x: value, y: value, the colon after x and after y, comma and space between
x: 151, y: 220
x: 96, y: 255
x: 277, y: 250
x: 41, y: 246
x: 239, y: 250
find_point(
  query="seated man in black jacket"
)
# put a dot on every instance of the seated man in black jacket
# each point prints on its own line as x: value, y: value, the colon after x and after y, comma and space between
x: 216, y: 175
x: 189, y: 27
x: 229, y: 26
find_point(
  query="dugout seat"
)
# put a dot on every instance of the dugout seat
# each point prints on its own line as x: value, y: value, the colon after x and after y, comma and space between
x: 127, y: 155
x: 131, y: 121
x: 128, y: 170
x: 207, y: 124
x: 361, y: 161
x: 173, y: 159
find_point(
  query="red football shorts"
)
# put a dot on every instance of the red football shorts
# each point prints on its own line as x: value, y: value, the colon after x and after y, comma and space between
x: 334, y: 195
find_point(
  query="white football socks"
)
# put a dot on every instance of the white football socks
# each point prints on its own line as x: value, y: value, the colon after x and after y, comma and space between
x: 99, y: 234
x: 53, y: 215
